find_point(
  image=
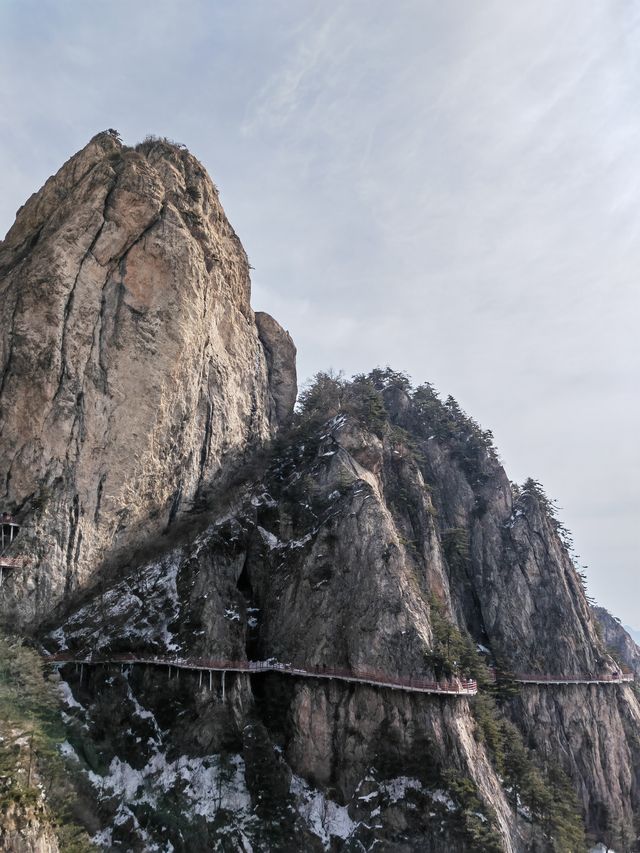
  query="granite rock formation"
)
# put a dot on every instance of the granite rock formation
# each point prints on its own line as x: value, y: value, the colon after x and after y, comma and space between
x: 618, y: 640
x: 132, y: 369
x: 173, y: 505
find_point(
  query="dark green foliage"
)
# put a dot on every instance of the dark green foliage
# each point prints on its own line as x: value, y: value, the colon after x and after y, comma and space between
x: 464, y: 820
x: 560, y: 812
x: 614, y: 833
x: 365, y: 402
x: 385, y: 378
x: 370, y: 399
x: 329, y: 394
x: 479, y: 833
x: 448, y: 422
x: 489, y: 728
x: 268, y: 781
x: 453, y: 653
x: 532, y: 490
x: 540, y: 794
x: 31, y: 730
x: 455, y: 543
x: 321, y: 399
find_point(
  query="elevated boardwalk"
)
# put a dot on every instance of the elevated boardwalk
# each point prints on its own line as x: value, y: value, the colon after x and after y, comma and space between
x: 458, y: 687
x: 9, y: 529
x: 575, y: 679
x: 455, y: 687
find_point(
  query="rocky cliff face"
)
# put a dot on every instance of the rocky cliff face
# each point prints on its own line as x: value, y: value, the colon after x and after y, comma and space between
x: 377, y: 532
x: 27, y: 829
x: 618, y: 640
x: 132, y: 370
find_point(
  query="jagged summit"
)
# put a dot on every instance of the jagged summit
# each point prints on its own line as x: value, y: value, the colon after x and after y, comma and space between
x: 131, y: 363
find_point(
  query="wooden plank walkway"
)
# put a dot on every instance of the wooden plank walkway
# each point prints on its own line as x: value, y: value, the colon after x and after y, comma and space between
x: 455, y: 687
x: 458, y: 687
x: 575, y: 679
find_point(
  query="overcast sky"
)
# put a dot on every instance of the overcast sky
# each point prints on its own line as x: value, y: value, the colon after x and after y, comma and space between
x: 450, y: 188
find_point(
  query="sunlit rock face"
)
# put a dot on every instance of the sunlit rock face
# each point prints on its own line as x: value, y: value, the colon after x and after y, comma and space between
x: 131, y: 367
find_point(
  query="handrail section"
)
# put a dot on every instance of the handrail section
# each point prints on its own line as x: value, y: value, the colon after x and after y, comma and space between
x: 464, y: 687
x: 457, y: 687
x: 575, y: 679
x: 11, y: 562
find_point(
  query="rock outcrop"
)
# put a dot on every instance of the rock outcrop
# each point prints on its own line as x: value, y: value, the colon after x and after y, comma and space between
x: 131, y: 365
x: 281, y: 362
x: 27, y: 830
x: 618, y: 640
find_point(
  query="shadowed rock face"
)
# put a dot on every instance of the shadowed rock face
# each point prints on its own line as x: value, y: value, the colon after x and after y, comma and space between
x: 131, y: 367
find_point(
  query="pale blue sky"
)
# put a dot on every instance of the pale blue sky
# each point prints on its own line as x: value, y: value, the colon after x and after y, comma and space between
x: 450, y: 188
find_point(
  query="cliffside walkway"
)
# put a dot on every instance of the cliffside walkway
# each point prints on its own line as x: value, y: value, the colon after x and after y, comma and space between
x: 455, y: 687
x: 458, y: 687
x: 9, y: 529
x: 574, y: 679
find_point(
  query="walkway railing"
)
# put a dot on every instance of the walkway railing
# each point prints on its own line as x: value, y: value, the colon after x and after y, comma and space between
x: 11, y: 562
x: 614, y: 678
x: 457, y: 687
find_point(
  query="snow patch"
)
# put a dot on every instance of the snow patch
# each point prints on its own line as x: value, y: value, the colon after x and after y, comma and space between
x: 104, y: 838
x: 67, y: 751
x: 59, y: 638
x: 67, y: 696
x: 396, y: 789
x: 444, y: 799
x: 208, y: 784
x: 142, y: 618
x: 323, y: 817
x: 300, y: 543
x: 269, y: 539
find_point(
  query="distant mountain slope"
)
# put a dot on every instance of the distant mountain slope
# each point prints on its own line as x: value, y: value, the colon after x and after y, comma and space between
x: 618, y: 638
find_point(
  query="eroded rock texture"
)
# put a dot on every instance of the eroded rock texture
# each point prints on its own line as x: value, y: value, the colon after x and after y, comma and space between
x: 131, y: 368
x: 618, y: 640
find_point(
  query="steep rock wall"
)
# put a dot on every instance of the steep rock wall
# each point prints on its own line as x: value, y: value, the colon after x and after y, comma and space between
x: 131, y: 367
x: 618, y: 640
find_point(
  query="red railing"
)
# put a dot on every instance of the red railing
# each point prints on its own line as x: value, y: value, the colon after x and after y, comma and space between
x: 11, y: 562
x: 456, y: 686
x: 462, y: 686
x: 573, y: 679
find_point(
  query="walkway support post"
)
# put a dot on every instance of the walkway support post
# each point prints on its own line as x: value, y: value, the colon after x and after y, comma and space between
x: 223, y: 675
